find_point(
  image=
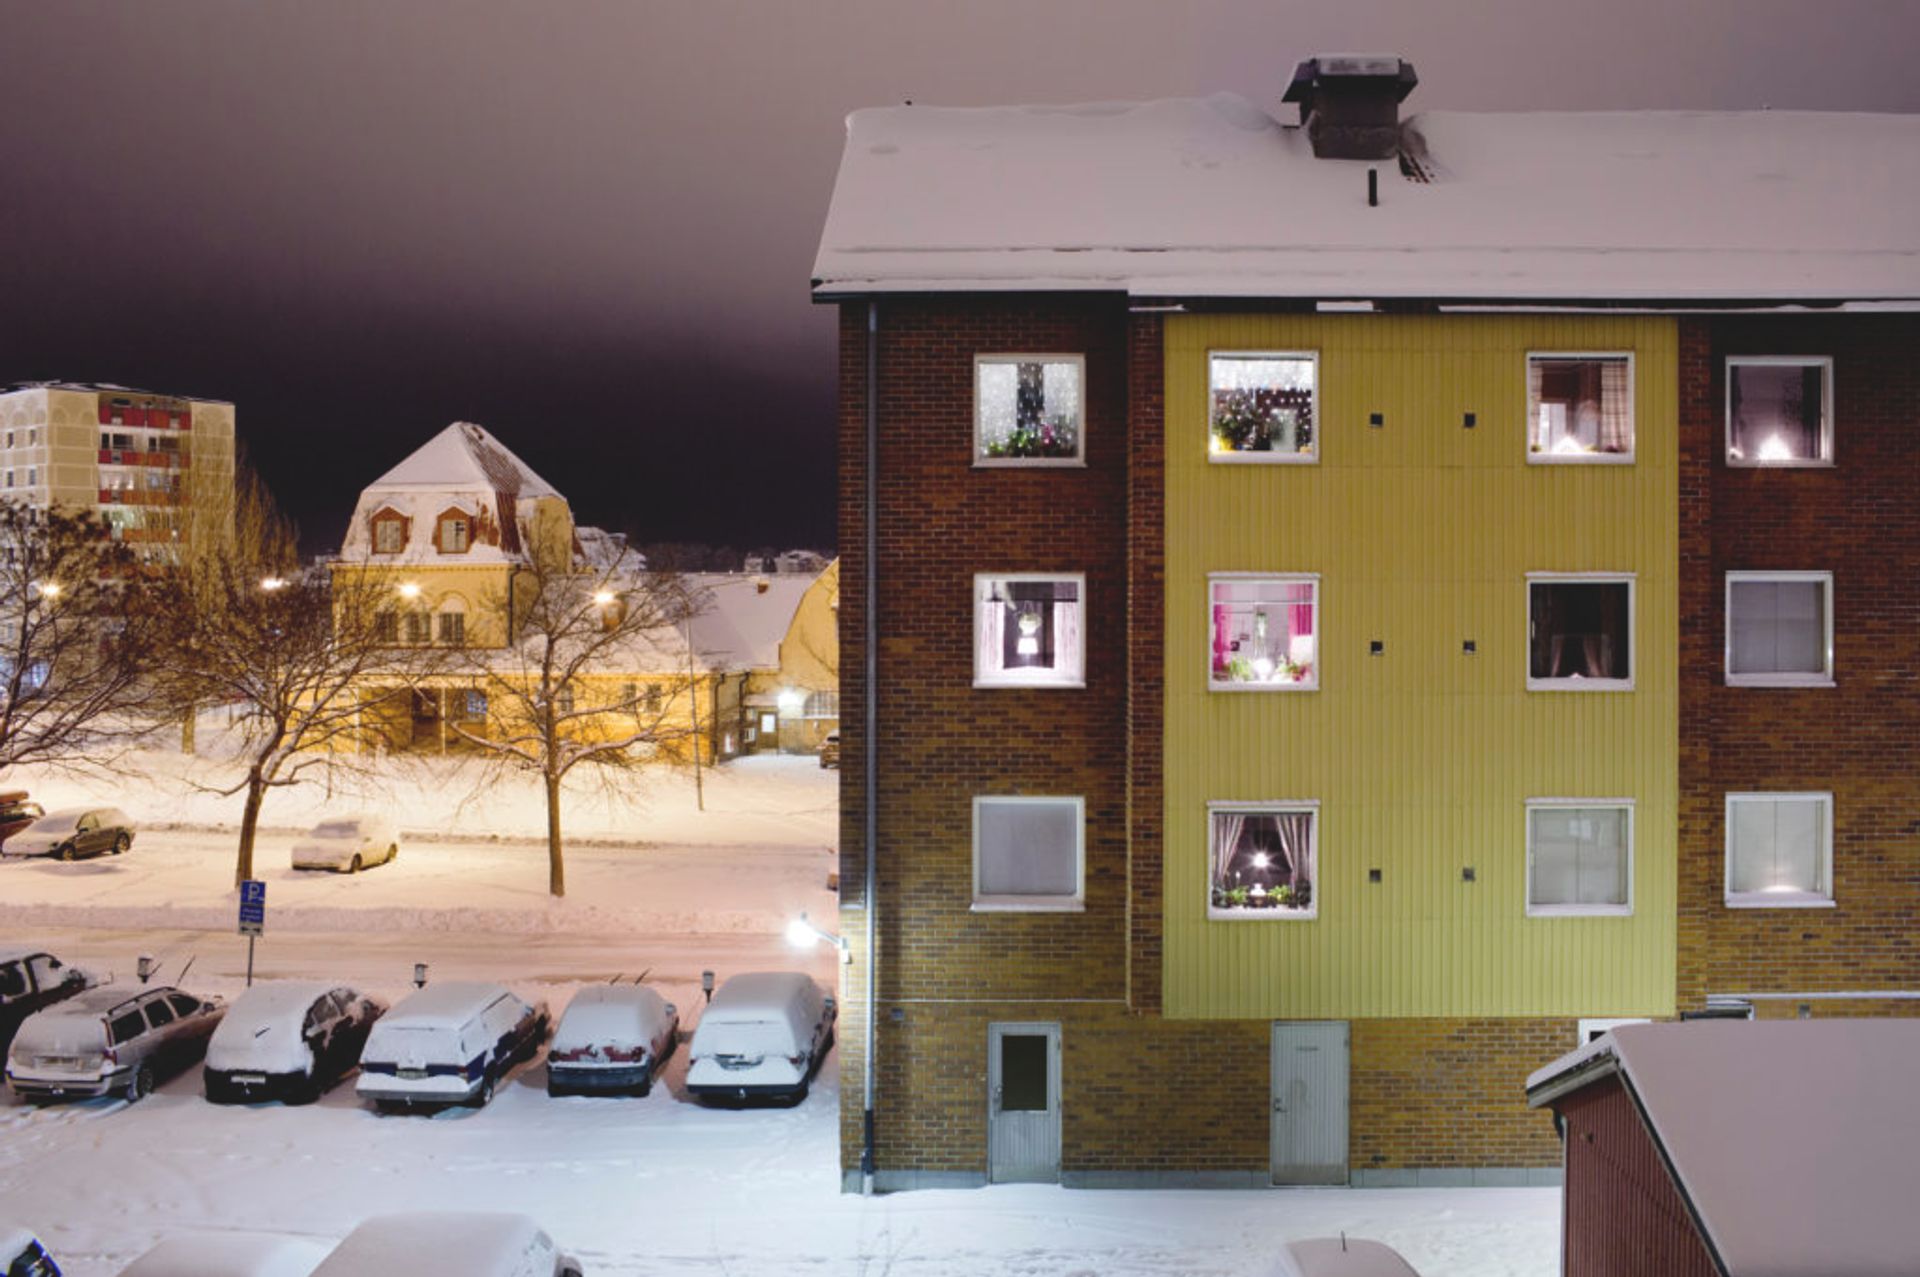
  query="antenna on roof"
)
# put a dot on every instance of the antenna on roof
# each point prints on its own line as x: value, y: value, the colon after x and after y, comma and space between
x: 1373, y: 188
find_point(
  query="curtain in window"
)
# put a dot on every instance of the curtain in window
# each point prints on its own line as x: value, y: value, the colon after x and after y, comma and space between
x: 990, y: 619
x: 1777, y: 410
x: 1616, y: 408
x: 1228, y: 826
x: 1296, y: 840
x: 1028, y: 849
x: 1779, y: 845
x: 1778, y: 627
x: 1068, y: 651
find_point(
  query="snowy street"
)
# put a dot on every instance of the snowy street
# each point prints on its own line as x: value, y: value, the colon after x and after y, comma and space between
x: 634, y: 1186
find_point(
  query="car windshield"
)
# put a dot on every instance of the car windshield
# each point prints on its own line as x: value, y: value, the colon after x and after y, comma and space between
x: 57, y: 824
x: 337, y: 829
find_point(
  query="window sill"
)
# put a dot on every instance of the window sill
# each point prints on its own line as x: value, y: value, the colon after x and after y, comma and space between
x: 1029, y: 463
x: 1263, y: 458
x: 1310, y: 686
x: 1217, y: 914
x: 1579, y: 458
x: 1579, y: 685
x: 1738, y: 464
x: 1579, y: 911
x: 1779, y: 680
x: 1025, y: 684
x: 1036, y: 904
x: 1780, y: 900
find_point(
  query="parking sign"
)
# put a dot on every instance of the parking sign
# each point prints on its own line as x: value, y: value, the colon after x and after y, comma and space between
x: 253, y: 907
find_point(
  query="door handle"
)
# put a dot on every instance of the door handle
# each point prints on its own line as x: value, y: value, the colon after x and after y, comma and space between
x: 1279, y: 1106
x: 996, y: 1099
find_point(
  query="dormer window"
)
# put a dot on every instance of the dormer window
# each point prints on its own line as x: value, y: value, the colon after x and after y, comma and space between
x: 389, y: 532
x: 453, y: 532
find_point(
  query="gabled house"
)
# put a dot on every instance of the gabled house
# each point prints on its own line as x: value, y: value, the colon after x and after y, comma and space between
x: 780, y: 632
x: 1330, y: 605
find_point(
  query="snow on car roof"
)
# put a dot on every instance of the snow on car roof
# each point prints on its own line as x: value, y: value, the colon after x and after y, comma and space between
x: 1755, y: 1117
x: 1214, y: 197
x: 15, y: 953
x: 449, y: 1004
x: 437, y: 1244
x: 755, y: 996
x: 229, y: 1255
x: 274, y: 1002
x: 103, y: 997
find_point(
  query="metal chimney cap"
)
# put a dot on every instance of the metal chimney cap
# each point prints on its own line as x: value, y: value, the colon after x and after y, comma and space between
x: 1351, y: 66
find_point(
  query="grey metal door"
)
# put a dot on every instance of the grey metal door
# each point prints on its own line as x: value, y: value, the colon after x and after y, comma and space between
x: 1023, y: 1103
x: 1309, y: 1130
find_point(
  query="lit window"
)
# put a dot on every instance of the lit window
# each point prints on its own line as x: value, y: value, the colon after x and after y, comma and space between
x: 453, y: 534
x: 822, y: 705
x: 1579, y: 408
x: 473, y: 704
x: 389, y: 535
x: 1265, y: 632
x: 1263, y: 860
x: 1579, y: 857
x: 1580, y: 633
x: 1779, y: 850
x: 1780, y: 629
x: 1028, y: 631
x: 1779, y: 411
x: 1028, y: 409
x: 1027, y: 853
x: 1263, y: 407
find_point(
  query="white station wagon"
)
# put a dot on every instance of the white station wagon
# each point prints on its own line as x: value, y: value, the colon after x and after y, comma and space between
x: 449, y: 1043
x: 762, y: 1037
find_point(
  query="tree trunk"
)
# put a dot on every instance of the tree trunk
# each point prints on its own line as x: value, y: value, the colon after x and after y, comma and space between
x: 556, y: 870
x: 187, y: 728
x: 249, y: 822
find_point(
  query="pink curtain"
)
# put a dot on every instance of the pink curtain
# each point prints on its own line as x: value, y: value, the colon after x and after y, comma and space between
x: 1228, y: 826
x: 1296, y: 840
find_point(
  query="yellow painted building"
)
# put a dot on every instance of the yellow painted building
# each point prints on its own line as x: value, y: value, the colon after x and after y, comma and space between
x: 1426, y: 516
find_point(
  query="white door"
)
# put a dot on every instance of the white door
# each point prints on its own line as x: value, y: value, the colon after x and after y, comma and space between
x: 1310, y: 1102
x: 1023, y: 1103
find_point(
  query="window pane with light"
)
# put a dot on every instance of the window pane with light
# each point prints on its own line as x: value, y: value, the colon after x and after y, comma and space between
x: 1264, y: 633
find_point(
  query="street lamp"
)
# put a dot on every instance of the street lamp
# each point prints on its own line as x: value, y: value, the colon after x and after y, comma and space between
x: 409, y: 590
x: 603, y: 598
x: 48, y: 589
x: 802, y: 934
x: 272, y: 583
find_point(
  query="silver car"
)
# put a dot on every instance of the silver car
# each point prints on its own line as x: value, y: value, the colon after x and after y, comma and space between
x: 109, y: 1040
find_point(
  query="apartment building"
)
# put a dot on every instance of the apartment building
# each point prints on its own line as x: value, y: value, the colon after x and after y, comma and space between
x: 1290, y: 578
x: 151, y: 466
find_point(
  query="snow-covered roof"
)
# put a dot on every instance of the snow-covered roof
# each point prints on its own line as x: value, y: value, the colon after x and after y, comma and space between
x: 758, y: 995
x: 745, y: 616
x: 465, y: 469
x: 1212, y: 197
x: 442, y: 1244
x: 229, y: 1255
x: 1793, y: 1139
x: 446, y: 1004
x: 108, y: 387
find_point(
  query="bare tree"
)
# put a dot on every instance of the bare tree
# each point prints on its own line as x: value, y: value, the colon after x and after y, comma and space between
x: 591, y: 677
x: 293, y: 653
x: 75, y: 640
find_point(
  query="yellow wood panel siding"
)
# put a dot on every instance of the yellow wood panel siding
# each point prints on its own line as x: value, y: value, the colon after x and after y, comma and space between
x: 1422, y: 758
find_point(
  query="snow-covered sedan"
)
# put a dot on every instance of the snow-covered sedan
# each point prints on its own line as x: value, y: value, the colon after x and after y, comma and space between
x: 72, y: 833
x: 22, y: 1255
x: 448, y: 1244
x: 348, y: 844
x: 290, y: 1040
x: 229, y: 1255
x: 449, y: 1043
x: 611, y: 1041
x: 761, y: 1037
x: 1341, y: 1257
x: 109, y: 1040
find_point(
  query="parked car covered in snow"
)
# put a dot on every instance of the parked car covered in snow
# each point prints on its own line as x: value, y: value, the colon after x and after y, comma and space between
x: 23, y: 1255
x: 348, y: 844
x: 761, y: 1037
x: 611, y: 1041
x: 449, y: 1043
x: 449, y: 1244
x: 289, y: 1040
x: 29, y: 980
x: 109, y: 1040
x: 229, y: 1255
x: 1341, y: 1257
x: 17, y: 812
x: 73, y: 832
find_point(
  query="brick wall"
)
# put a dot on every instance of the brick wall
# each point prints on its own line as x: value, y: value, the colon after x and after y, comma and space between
x: 1146, y: 677
x: 1451, y: 1093
x: 1860, y: 739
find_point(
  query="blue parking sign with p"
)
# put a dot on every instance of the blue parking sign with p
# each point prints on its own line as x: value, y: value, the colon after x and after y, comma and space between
x: 253, y: 907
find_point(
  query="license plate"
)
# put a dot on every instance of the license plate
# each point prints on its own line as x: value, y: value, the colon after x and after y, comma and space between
x: 64, y: 1063
x: 412, y: 1075
x: 249, y: 1079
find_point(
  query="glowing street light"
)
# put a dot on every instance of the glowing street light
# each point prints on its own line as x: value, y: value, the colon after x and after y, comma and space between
x: 802, y: 934
x: 272, y: 583
x: 48, y: 589
x: 409, y: 590
x: 603, y: 598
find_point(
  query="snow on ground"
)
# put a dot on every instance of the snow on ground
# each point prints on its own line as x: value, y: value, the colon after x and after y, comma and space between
x: 650, y: 1186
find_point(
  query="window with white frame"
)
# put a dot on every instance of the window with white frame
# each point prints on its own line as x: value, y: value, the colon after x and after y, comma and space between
x: 1264, y: 632
x: 1579, y: 856
x: 1028, y: 409
x: 1579, y: 633
x: 1779, y: 850
x: 1780, y: 629
x: 1028, y: 853
x: 1028, y: 631
x: 1263, y: 406
x: 1579, y: 407
x: 1263, y: 860
x: 1593, y: 1026
x: 1779, y: 411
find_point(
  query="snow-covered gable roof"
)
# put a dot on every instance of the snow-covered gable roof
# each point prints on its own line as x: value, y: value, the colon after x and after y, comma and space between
x: 744, y: 616
x: 462, y: 468
x: 1795, y: 1140
x: 1211, y: 197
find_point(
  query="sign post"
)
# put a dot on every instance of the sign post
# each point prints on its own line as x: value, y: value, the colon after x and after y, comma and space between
x: 253, y: 917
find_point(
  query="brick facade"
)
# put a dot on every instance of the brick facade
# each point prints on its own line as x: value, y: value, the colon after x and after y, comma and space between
x: 1859, y: 739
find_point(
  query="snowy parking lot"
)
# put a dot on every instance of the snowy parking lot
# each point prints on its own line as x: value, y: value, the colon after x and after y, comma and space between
x: 634, y: 1186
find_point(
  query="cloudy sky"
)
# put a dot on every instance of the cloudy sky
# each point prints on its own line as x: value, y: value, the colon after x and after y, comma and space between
x: 589, y: 224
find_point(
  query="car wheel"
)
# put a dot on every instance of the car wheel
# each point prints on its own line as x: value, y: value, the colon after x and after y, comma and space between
x: 140, y: 1085
x: 121, y: 844
x: 305, y: 1092
x: 393, y: 853
x: 65, y: 853
x: 353, y: 866
x: 484, y: 1096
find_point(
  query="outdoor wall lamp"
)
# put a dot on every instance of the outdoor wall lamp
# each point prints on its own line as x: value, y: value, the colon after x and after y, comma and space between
x: 419, y: 975
x: 408, y: 590
x: 273, y: 583
x: 802, y: 934
x: 603, y: 598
